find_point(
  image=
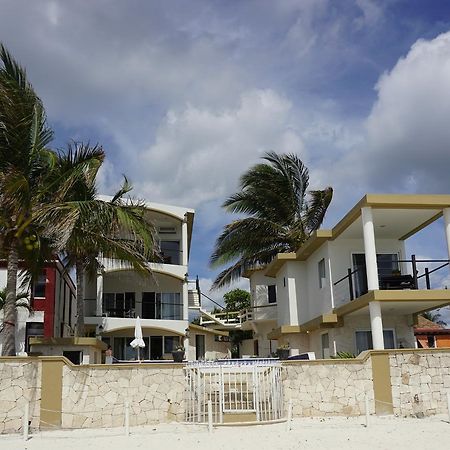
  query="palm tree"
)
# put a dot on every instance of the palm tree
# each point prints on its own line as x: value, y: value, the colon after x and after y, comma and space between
x: 118, y: 228
x: 435, y: 317
x: 21, y: 300
x: 281, y: 215
x: 24, y: 159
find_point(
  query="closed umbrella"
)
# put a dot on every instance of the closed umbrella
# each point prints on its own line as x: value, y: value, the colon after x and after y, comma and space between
x: 137, y: 342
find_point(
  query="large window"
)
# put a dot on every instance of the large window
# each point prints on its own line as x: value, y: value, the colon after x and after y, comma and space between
x: 387, y: 264
x: 364, y: 340
x: 165, y: 305
x: 119, y: 304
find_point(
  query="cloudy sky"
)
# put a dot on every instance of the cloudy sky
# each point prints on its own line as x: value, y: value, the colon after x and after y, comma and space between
x: 185, y: 95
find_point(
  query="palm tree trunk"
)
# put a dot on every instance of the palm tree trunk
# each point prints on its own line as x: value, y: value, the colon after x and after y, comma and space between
x: 79, y: 328
x: 9, y: 320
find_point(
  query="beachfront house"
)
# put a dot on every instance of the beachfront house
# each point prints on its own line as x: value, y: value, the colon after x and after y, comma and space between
x: 52, y: 299
x: 117, y: 295
x: 353, y: 287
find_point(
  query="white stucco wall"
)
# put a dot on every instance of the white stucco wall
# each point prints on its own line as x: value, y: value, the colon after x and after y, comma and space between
x: 342, y: 339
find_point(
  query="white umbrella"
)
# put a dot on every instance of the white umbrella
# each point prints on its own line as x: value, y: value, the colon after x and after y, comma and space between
x: 137, y: 342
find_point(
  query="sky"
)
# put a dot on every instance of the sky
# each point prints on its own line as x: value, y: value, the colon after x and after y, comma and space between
x: 184, y: 96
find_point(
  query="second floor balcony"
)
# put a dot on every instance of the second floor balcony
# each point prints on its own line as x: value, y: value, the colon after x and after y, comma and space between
x: 152, y: 305
x: 393, y: 274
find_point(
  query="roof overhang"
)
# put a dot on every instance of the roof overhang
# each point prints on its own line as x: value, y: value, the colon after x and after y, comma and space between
x: 278, y: 262
x: 396, y: 216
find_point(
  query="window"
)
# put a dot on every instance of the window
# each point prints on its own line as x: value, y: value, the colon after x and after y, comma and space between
x: 322, y: 275
x: 119, y: 304
x: 170, y: 251
x: 431, y: 341
x: 325, y: 345
x: 364, y: 340
x: 272, y: 293
x: 166, y: 305
x: 170, y: 343
x: 167, y: 230
x: 39, y: 286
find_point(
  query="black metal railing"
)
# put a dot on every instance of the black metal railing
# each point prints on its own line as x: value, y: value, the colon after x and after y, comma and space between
x: 356, y: 280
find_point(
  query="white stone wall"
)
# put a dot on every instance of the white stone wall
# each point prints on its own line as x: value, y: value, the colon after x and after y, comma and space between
x: 95, y: 396
x: 328, y: 388
x: 20, y: 382
x: 420, y: 382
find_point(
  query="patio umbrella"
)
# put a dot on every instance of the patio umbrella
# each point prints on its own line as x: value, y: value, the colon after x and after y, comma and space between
x: 137, y: 342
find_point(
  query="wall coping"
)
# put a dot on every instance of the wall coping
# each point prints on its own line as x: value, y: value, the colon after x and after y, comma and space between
x: 168, y: 365
x: 360, y: 359
x: 364, y: 356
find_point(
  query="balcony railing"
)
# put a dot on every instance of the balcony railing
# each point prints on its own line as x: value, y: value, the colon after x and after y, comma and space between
x: 90, y: 310
x: 354, y: 284
x: 261, y: 312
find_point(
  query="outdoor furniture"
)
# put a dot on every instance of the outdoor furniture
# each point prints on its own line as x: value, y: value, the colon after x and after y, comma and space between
x: 397, y: 282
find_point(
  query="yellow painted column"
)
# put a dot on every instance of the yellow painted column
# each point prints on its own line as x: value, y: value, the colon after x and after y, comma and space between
x: 51, y: 393
x: 382, y: 387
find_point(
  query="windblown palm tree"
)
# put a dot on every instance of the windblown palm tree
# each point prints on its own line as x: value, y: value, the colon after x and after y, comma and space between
x: 24, y: 160
x: 282, y: 214
x: 116, y: 229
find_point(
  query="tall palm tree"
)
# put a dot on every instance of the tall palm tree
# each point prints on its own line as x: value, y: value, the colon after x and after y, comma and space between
x: 281, y: 215
x: 24, y: 159
x: 118, y: 228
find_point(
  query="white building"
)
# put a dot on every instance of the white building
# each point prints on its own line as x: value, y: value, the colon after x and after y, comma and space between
x: 353, y: 287
x: 118, y: 294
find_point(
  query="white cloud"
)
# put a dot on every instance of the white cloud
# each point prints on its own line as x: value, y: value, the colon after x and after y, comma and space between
x: 199, y: 153
x: 408, y: 134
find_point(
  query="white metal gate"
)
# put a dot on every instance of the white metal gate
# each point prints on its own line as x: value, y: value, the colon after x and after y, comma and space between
x: 251, y: 390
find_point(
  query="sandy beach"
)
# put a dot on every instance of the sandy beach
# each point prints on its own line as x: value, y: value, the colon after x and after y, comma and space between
x: 313, y: 433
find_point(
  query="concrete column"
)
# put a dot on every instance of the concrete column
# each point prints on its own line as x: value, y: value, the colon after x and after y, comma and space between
x: 376, y: 324
x: 447, y: 228
x: 99, y: 294
x: 184, y: 243
x: 370, y: 250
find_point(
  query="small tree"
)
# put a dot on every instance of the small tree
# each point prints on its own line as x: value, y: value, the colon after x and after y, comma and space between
x: 237, y: 299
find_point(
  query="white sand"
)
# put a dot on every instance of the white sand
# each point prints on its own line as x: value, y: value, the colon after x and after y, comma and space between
x: 328, y: 433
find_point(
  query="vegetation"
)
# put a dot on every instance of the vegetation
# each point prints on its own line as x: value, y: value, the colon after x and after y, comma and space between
x: 21, y: 300
x: 49, y: 204
x: 343, y: 355
x: 434, y: 317
x: 280, y: 216
x: 236, y: 300
x: 24, y: 159
x: 115, y: 229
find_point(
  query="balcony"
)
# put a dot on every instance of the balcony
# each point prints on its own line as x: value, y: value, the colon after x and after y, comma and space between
x: 393, y: 275
x: 158, y: 306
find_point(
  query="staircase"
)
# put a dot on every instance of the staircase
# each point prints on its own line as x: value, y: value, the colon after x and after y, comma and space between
x: 227, y: 320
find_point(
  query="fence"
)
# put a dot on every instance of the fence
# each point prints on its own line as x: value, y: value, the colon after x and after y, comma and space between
x: 405, y: 382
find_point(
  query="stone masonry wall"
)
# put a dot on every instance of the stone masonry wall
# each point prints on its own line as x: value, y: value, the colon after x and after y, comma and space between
x: 322, y: 388
x: 20, y: 382
x: 95, y: 396
x: 420, y: 382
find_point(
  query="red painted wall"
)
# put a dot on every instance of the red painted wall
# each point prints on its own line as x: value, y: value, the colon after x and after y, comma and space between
x: 49, y: 310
